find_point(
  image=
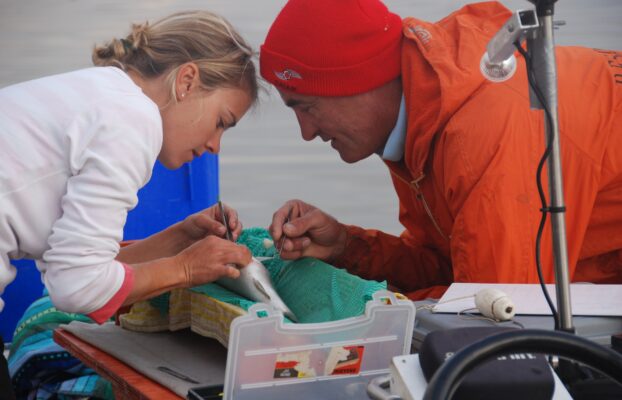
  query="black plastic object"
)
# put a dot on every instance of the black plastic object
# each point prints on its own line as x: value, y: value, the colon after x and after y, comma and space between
x: 616, y: 342
x: 449, y: 376
x: 518, y: 376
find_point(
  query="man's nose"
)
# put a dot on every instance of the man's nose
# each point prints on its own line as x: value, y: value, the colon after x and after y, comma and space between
x: 308, y: 130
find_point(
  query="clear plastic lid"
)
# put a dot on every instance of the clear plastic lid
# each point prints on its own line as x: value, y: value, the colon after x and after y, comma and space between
x: 268, y: 359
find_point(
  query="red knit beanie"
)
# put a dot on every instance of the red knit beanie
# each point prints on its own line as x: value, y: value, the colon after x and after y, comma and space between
x: 332, y: 47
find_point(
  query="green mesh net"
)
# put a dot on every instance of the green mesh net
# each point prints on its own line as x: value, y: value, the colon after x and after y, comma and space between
x: 313, y: 290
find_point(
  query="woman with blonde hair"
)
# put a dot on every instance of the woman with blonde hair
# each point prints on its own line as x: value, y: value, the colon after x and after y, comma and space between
x: 77, y: 147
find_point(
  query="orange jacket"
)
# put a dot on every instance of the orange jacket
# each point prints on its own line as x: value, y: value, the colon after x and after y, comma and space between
x: 471, y: 154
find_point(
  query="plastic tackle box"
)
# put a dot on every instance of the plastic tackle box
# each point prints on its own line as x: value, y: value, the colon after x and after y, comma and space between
x: 268, y: 359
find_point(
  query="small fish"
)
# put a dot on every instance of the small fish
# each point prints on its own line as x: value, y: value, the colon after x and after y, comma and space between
x: 255, y: 284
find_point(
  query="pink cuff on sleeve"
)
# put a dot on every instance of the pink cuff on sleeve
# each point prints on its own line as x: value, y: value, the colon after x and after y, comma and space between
x: 103, y: 314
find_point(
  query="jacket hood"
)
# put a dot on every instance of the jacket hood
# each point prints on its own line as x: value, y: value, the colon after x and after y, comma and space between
x: 440, y: 71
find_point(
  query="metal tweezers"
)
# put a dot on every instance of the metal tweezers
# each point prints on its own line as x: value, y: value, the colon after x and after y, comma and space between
x: 283, y: 237
x: 279, y: 245
x: 229, y: 235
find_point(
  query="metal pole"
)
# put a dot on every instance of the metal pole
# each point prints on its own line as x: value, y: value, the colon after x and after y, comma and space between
x: 542, y: 50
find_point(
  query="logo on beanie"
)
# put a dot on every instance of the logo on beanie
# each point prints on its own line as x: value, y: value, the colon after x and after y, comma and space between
x: 423, y: 34
x: 287, y: 74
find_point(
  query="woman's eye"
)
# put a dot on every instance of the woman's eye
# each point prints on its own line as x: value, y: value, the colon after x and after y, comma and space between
x: 221, y: 124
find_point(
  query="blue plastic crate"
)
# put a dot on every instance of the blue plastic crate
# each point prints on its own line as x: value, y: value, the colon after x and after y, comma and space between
x: 168, y: 197
x: 26, y: 288
x: 172, y: 195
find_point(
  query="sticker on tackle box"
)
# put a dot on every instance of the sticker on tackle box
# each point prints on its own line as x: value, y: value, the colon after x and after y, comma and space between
x: 344, y: 360
x: 293, y: 365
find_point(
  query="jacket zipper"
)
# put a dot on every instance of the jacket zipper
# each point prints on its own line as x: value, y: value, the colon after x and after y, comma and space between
x: 414, y: 185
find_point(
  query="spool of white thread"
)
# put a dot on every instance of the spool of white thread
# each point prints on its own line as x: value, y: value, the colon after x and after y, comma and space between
x: 495, y: 304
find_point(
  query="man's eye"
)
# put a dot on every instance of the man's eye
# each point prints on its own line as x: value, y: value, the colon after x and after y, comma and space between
x: 221, y: 124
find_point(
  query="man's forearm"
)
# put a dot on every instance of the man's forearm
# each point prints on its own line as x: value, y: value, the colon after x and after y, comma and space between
x: 372, y: 254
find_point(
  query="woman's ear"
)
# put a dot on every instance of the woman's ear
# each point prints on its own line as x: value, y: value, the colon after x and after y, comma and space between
x: 187, y: 79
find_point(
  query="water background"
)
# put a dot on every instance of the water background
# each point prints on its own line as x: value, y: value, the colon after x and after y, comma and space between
x: 263, y: 161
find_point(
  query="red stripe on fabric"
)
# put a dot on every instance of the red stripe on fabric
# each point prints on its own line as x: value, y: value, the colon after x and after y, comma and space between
x: 107, y: 311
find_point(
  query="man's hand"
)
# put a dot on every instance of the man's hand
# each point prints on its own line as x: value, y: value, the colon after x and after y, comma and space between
x: 310, y: 232
x: 212, y: 258
x: 209, y: 222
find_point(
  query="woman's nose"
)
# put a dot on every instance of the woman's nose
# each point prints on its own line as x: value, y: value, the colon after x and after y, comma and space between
x: 213, y: 145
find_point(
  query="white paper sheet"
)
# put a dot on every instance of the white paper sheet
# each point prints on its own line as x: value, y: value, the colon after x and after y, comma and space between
x: 585, y: 299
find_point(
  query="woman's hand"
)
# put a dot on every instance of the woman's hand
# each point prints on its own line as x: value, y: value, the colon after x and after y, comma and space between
x: 210, y: 259
x: 209, y: 222
x: 310, y: 232
x: 207, y: 260
x: 174, y: 239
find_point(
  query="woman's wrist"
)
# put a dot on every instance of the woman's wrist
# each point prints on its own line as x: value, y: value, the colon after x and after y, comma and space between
x: 180, y: 236
x: 166, y: 243
x: 156, y: 277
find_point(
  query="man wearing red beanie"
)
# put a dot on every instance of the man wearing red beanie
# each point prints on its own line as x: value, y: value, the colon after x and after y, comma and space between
x: 462, y: 151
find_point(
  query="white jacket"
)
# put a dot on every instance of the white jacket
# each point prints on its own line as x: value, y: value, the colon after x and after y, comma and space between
x: 74, y: 150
